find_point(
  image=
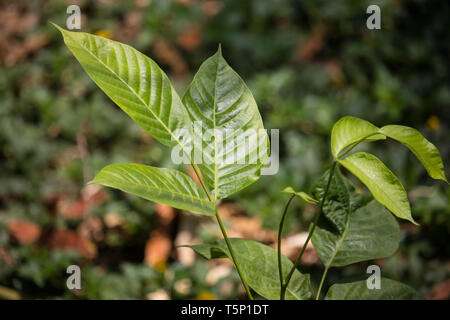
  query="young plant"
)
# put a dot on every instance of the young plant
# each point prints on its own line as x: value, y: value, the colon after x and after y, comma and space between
x: 216, y: 111
x: 209, y: 128
x: 354, y: 228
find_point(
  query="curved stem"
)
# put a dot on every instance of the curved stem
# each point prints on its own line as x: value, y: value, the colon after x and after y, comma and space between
x: 280, y: 231
x: 322, y: 281
x: 230, y: 248
x: 316, y: 219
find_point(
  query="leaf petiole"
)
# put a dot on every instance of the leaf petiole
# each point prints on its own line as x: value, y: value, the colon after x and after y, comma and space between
x: 316, y: 220
x: 280, y: 231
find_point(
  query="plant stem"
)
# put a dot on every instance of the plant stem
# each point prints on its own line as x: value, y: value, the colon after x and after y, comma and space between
x: 230, y: 248
x: 224, y: 233
x: 280, y: 231
x: 322, y: 281
x: 316, y: 219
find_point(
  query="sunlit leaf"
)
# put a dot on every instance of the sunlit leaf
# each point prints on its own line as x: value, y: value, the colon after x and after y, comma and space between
x: 349, y: 130
x: 424, y: 150
x: 167, y: 186
x: 358, y: 290
x: 230, y: 130
x: 259, y: 266
x: 383, y: 184
x: 134, y: 82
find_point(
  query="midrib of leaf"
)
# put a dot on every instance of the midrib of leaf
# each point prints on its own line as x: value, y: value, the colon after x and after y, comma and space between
x: 216, y: 170
x: 350, y: 147
x: 419, y: 155
x: 134, y: 93
x: 170, y: 191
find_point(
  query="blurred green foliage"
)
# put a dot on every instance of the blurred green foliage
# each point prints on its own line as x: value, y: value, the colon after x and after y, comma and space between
x: 307, y: 63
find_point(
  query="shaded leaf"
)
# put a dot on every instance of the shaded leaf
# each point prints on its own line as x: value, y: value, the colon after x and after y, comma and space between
x: 163, y: 185
x: 341, y: 198
x: 349, y: 130
x: 336, y: 205
x: 351, y: 230
x: 259, y: 266
x: 302, y: 195
x: 383, y: 184
x: 227, y: 127
x: 370, y: 233
x: 424, y: 150
x: 357, y: 290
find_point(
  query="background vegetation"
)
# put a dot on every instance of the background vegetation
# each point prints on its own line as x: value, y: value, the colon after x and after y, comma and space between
x: 307, y: 63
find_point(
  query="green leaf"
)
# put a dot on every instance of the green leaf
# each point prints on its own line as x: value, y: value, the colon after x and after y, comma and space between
x: 370, y: 233
x: 357, y: 290
x: 134, y: 82
x: 424, y: 150
x: 219, y: 100
x: 383, y: 184
x: 352, y: 229
x: 341, y: 199
x: 259, y: 266
x: 350, y: 130
x: 167, y: 186
x: 302, y: 195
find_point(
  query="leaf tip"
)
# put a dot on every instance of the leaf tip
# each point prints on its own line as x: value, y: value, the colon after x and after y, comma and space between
x: 288, y: 190
x: 411, y: 219
x: 56, y: 26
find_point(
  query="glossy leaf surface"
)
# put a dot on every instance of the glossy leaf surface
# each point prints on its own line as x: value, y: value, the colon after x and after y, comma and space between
x: 227, y: 128
x: 167, y: 186
x: 134, y: 82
